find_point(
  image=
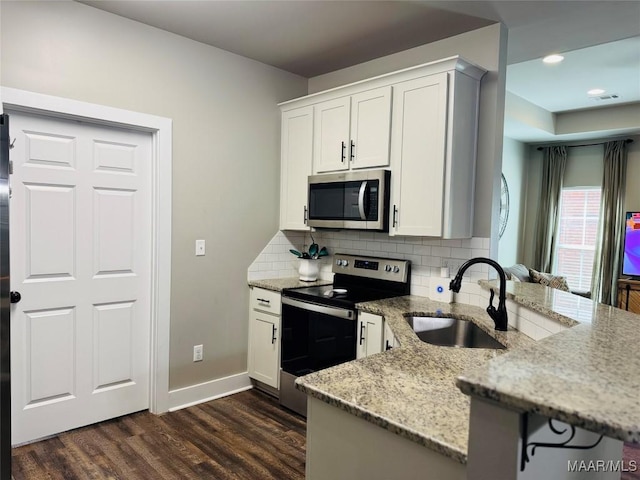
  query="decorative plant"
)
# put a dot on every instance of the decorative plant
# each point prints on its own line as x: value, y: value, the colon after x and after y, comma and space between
x: 314, y: 252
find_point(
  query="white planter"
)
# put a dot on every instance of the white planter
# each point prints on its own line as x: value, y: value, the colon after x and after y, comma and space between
x: 308, y: 270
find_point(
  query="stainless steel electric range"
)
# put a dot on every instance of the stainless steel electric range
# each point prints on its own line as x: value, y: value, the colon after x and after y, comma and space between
x: 319, y: 324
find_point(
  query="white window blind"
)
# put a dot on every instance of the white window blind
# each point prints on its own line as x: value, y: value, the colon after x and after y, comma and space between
x: 577, y: 231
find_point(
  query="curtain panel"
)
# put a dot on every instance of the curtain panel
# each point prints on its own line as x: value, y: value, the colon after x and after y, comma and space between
x: 554, y: 164
x: 608, y: 254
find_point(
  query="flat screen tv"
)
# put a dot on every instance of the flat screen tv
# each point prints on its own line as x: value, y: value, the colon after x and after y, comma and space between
x: 631, y: 260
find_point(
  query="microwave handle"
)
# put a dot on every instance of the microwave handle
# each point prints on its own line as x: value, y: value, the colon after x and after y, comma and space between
x: 363, y: 190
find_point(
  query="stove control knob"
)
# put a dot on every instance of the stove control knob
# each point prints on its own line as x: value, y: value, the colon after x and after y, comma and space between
x: 345, y: 263
x: 387, y: 268
x: 338, y: 262
x: 396, y: 269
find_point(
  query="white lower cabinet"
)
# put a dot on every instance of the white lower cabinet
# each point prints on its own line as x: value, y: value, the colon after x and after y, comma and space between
x: 370, y: 334
x: 264, y: 337
x: 389, y: 339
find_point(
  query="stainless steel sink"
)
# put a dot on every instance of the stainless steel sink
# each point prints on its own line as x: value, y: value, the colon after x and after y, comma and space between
x: 451, y: 332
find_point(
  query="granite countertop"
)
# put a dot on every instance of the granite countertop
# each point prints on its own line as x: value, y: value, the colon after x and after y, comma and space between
x: 279, y: 284
x: 563, y: 307
x: 411, y: 390
x: 586, y: 376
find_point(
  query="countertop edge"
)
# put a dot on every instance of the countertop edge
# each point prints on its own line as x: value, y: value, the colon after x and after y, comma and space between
x: 280, y: 284
x: 522, y: 405
x: 435, y: 445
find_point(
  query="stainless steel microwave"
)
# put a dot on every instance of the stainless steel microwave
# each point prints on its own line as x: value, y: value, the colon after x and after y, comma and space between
x: 354, y: 200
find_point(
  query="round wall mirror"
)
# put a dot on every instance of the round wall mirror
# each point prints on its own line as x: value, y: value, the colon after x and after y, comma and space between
x: 504, y: 204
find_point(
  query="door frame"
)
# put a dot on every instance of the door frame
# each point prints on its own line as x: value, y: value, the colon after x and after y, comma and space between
x: 160, y: 129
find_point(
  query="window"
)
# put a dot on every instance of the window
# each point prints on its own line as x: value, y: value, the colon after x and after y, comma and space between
x: 577, y: 231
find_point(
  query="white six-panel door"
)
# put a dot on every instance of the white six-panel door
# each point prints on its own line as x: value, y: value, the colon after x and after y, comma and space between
x: 80, y: 257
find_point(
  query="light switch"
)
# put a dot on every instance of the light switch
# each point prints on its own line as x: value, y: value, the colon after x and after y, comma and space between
x: 199, y: 248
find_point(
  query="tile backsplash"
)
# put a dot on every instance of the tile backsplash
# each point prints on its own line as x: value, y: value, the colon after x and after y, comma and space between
x: 427, y: 256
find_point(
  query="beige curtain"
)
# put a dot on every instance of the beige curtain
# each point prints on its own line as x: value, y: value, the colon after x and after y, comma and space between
x: 554, y: 164
x: 606, y: 264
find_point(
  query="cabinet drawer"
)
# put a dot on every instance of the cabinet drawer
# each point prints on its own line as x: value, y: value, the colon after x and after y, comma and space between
x: 265, y: 300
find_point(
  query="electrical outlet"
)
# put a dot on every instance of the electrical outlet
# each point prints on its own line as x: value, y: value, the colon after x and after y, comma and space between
x: 199, y: 248
x: 197, y: 353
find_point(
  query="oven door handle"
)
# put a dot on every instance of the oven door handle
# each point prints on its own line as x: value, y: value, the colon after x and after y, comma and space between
x: 334, y: 312
x: 363, y: 190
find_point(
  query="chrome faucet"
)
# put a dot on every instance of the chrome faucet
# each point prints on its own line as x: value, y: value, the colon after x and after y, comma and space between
x: 499, y: 315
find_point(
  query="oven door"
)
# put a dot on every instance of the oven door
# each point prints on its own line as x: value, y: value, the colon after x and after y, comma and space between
x: 313, y: 337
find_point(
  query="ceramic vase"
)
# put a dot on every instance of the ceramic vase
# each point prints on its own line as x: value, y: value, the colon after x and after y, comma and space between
x: 308, y: 270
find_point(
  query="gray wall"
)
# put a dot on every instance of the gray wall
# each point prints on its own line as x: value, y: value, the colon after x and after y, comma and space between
x: 514, y: 169
x: 226, y: 148
x: 485, y: 47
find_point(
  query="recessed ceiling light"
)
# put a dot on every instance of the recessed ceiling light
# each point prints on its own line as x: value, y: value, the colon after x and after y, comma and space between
x: 596, y: 91
x: 553, y: 58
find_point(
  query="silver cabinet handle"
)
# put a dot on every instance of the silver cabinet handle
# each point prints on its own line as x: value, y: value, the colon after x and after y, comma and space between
x: 352, y: 155
x: 273, y: 334
x: 343, y: 157
x: 314, y: 307
x: 363, y: 190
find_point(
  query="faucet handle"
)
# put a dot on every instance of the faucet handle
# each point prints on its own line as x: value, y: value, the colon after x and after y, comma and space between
x: 491, y: 310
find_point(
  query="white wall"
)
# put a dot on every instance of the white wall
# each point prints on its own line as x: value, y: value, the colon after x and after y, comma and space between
x: 226, y: 145
x: 584, y: 166
x: 485, y: 47
x: 514, y: 164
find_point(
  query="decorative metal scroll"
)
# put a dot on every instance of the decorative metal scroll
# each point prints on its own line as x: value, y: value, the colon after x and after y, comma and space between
x: 524, y: 457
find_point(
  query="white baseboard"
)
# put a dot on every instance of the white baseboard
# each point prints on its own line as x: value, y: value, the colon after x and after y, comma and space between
x: 207, y: 391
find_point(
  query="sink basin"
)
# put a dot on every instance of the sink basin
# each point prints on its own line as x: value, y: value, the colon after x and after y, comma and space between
x: 451, y: 332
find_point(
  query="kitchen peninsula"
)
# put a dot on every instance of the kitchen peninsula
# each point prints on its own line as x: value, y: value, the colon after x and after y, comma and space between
x: 374, y: 416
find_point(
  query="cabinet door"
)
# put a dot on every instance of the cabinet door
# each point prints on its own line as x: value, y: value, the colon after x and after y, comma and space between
x: 331, y: 135
x: 418, y: 145
x: 370, y: 128
x: 389, y: 338
x: 629, y: 299
x: 296, y: 161
x: 370, y: 333
x: 264, y: 348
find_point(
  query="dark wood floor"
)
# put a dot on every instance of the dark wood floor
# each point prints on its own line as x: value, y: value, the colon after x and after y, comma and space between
x: 631, y: 458
x: 243, y: 436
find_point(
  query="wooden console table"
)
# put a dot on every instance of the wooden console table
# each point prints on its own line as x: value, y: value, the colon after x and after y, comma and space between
x: 629, y: 295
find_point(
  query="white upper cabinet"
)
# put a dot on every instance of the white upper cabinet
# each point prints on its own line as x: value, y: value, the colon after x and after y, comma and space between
x: 352, y: 132
x: 370, y: 128
x: 433, y: 155
x: 295, y: 166
x: 331, y: 135
x: 418, y: 148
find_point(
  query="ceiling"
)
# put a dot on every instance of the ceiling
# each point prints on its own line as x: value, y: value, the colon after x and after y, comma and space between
x: 600, y: 40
